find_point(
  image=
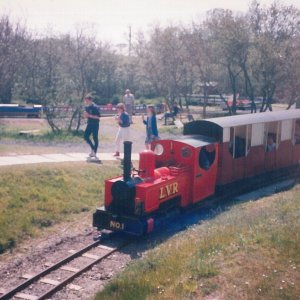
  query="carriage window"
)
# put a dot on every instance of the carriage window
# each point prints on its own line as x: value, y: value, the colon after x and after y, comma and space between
x: 297, y: 132
x: 158, y: 149
x: 207, y: 156
x: 238, y: 141
x: 272, y: 136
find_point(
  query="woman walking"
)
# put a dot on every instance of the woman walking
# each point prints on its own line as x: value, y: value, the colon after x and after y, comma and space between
x: 151, y: 126
x: 124, y: 124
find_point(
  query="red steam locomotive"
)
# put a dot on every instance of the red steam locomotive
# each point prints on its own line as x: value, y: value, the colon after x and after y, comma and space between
x: 212, y: 153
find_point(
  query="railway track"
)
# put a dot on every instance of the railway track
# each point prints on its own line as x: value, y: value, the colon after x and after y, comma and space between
x: 97, y: 252
x: 94, y: 253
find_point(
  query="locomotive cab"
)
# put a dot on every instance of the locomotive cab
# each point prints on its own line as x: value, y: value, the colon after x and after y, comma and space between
x: 197, y: 153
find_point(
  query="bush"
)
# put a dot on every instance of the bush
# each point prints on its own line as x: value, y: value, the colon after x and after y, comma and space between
x: 100, y: 101
x: 115, y: 100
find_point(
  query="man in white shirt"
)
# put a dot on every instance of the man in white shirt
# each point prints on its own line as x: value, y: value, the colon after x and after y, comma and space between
x: 128, y: 100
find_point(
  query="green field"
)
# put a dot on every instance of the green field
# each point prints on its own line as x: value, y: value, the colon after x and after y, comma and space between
x: 33, y: 198
x: 250, y: 251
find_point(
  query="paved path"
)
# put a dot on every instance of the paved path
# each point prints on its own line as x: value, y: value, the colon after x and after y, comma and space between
x: 52, y: 158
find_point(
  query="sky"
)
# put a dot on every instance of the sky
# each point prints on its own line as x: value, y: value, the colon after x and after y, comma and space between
x: 111, y: 19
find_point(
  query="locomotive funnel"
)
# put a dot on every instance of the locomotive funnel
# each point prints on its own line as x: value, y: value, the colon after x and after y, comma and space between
x: 127, y: 161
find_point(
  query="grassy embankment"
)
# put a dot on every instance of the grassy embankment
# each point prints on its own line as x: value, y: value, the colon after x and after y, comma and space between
x: 35, y: 197
x: 251, y: 251
x: 43, y: 141
x: 48, y: 142
x: 11, y: 128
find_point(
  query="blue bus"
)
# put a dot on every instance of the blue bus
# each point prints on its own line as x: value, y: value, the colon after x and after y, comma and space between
x: 19, y: 111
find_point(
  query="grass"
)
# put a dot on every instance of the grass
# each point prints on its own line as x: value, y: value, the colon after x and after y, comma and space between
x: 30, y: 149
x: 32, y: 199
x: 45, y: 141
x: 43, y: 136
x: 170, y: 130
x: 251, y: 251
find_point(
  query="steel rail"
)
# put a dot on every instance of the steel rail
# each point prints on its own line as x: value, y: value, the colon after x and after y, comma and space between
x: 43, y: 273
x: 69, y: 279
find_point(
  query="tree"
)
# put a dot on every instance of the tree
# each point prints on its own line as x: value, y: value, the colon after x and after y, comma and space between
x: 204, y: 72
x: 229, y: 37
x: 274, y: 30
x: 289, y: 88
x: 12, y: 44
x: 164, y: 64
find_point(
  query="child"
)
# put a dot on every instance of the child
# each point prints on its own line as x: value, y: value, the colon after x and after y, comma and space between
x: 124, y: 124
x: 271, y: 146
x: 151, y: 126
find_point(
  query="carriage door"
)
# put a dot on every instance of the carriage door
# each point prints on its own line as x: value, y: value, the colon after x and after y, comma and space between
x: 296, y: 141
x: 285, y: 147
x: 205, y: 172
x: 239, y: 146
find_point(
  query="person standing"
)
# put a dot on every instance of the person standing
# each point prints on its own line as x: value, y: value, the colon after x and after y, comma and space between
x: 128, y: 100
x: 271, y: 146
x: 151, y: 126
x: 123, y: 133
x: 92, y: 114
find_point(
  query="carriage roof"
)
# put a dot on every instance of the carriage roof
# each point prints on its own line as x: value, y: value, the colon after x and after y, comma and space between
x: 214, y: 127
x: 196, y: 140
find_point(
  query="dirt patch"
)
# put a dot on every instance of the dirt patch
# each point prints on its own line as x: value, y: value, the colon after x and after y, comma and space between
x: 35, y: 255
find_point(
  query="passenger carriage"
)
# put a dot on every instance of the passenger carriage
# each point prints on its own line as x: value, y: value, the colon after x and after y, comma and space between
x: 243, y: 142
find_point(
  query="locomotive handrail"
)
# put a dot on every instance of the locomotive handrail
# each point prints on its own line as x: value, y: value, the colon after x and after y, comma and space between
x: 138, y: 171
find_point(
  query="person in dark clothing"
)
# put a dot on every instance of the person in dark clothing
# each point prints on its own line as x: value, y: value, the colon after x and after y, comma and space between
x: 172, y: 114
x: 92, y: 114
x: 151, y: 126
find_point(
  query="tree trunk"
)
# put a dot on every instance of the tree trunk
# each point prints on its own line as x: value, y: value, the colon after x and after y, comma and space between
x: 233, y: 77
x: 72, y: 119
x: 224, y: 100
x: 78, y: 121
x: 205, y: 103
x: 6, y: 94
x: 49, y: 117
x: 249, y: 88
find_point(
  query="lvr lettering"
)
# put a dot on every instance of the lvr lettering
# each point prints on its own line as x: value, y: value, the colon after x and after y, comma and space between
x: 168, y: 190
